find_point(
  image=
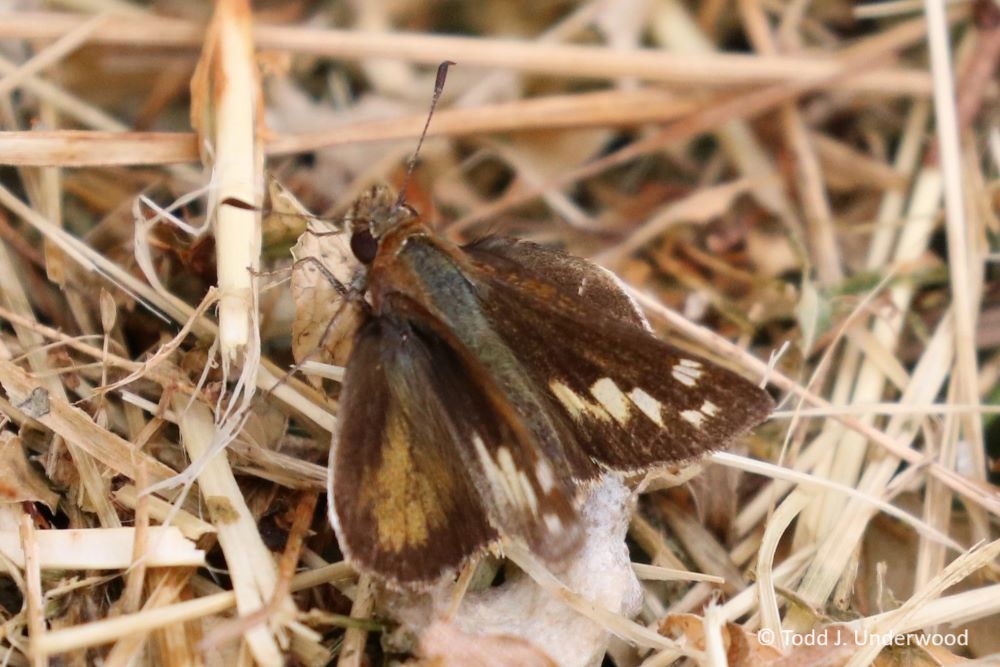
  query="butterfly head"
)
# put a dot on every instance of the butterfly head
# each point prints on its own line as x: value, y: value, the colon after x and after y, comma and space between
x: 374, y: 215
x: 379, y: 212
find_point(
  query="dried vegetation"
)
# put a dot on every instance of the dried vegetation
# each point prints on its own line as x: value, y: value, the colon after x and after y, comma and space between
x: 773, y: 178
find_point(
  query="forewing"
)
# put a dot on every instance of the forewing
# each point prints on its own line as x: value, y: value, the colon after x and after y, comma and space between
x: 599, y: 288
x: 634, y: 401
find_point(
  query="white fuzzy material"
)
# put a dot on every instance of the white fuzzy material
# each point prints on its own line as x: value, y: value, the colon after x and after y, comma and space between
x: 600, y: 571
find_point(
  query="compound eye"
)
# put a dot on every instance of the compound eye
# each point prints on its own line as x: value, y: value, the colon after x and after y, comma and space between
x: 364, y: 246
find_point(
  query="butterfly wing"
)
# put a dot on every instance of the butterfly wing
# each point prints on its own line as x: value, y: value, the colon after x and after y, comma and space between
x: 600, y: 289
x: 424, y: 465
x: 487, y: 381
x: 633, y: 401
x: 401, y: 504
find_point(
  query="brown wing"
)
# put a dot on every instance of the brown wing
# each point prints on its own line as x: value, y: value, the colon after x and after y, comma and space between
x: 425, y: 469
x: 598, y: 288
x: 402, y: 504
x: 633, y: 401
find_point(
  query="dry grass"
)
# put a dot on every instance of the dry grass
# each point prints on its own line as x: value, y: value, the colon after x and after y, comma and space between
x: 766, y: 176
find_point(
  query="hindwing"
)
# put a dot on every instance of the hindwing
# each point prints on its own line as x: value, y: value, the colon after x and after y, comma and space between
x: 426, y: 469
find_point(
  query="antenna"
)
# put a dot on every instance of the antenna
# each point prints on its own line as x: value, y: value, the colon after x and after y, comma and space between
x: 442, y: 74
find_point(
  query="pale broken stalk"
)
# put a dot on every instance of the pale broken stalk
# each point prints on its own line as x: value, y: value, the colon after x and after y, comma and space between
x: 251, y: 568
x: 225, y: 109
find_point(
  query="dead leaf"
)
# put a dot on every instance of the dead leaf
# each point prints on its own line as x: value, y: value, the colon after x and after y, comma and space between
x: 443, y: 645
x: 36, y: 405
x: 830, y: 646
x: 285, y: 218
x: 265, y: 427
x: 743, y: 649
x: 325, y: 321
x: 917, y: 656
x: 19, y: 482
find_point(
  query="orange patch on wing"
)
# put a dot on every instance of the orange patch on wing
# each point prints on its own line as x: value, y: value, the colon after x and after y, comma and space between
x: 406, y: 505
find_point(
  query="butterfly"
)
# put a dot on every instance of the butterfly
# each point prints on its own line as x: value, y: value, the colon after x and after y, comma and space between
x: 487, y: 384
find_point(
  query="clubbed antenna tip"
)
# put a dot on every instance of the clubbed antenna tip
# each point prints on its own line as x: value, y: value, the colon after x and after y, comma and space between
x: 442, y: 74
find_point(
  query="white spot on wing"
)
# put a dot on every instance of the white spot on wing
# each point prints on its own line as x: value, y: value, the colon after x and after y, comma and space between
x: 505, y: 460
x: 507, y: 481
x: 544, y: 474
x: 611, y: 397
x: 480, y: 447
x: 709, y: 408
x: 498, y: 480
x: 694, y: 417
x: 553, y: 523
x: 687, y: 372
x: 576, y: 405
x: 569, y: 398
x: 649, y: 405
x: 527, y: 493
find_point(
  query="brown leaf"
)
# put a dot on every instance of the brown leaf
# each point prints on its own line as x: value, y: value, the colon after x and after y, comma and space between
x: 444, y: 645
x: 917, y: 656
x: 831, y: 646
x: 284, y: 218
x: 18, y: 480
x: 325, y: 321
x: 743, y: 649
